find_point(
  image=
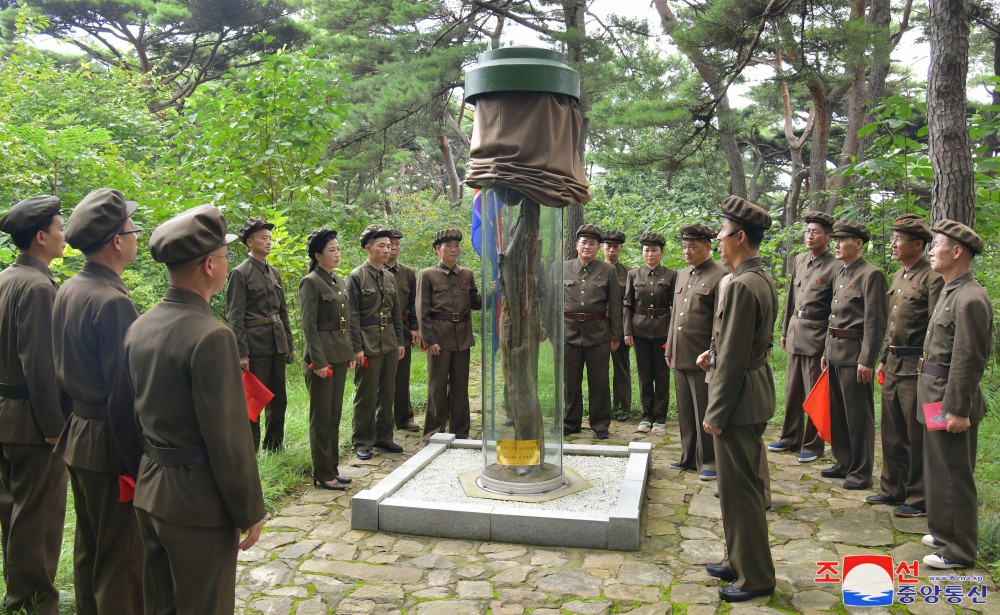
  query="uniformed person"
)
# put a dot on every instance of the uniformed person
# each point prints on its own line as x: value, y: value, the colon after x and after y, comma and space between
x: 690, y: 334
x: 621, y: 380
x: 956, y: 349
x: 914, y: 292
x: 649, y: 293
x: 406, y: 291
x: 327, y: 354
x: 32, y: 479
x: 198, y: 488
x: 446, y: 296
x: 803, y: 334
x: 591, y: 298
x: 741, y: 400
x: 258, y: 315
x: 101, y: 441
x: 854, y: 338
x: 376, y: 326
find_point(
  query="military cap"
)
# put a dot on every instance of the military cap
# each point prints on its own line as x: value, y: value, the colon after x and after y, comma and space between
x: 395, y: 234
x: 590, y: 230
x: 190, y: 234
x: 252, y: 225
x: 960, y: 233
x: 374, y: 231
x: 697, y: 231
x: 819, y: 217
x: 915, y: 225
x: 29, y: 213
x: 652, y: 239
x: 746, y: 214
x: 614, y: 236
x: 98, y: 216
x: 851, y: 228
x: 448, y: 234
x: 319, y: 238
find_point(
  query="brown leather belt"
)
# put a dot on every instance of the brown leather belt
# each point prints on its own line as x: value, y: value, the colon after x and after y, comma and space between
x: 12, y: 392
x: 260, y: 322
x: 185, y: 456
x: 807, y: 315
x: 375, y: 321
x: 584, y: 316
x: 759, y: 361
x: 923, y: 367
x: 450, y: 316
x: 332, y: 326
x: 851, y: 334
x: 94, y: 412
x: 652, y: 312
x: 906, y: 351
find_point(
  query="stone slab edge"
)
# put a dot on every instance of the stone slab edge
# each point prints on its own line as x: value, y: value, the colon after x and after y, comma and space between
x: 405, y: 516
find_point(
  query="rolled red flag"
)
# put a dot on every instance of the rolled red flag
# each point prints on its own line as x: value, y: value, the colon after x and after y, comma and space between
x: 126, y: 488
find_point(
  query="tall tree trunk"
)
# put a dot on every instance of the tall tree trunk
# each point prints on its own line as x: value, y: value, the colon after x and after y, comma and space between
x: 820, y: 146
x: 855, y: 94
x: 575, y: 12
x: 878, y: 16
x: 450, y: 173
x: 952, y: 193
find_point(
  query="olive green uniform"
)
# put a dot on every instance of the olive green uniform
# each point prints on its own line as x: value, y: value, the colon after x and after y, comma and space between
x: 649, y: 294
x: 258, y: 315
x: 377, y: 330
x: 804, y: 327
x: 957, y: 344
x: 740, y: 402
x: 445, y: 300
x: 406, y: 291
x: 690, y: 334
x: 326, y: 341
x: 32, y: 479
x: 101, y: 440
x: 198, y: 482
x: 913, y: 295
x: 857, y: 328
x: 591, y: 297
x: 621, y: 380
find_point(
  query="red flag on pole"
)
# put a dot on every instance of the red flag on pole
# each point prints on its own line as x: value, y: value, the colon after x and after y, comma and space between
x: 257, y: 395
x: 817, y: 406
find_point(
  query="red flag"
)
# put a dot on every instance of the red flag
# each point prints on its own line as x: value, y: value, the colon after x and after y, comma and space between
x: 817, y: 405
x: 257, y: 395
x: 126, y: 488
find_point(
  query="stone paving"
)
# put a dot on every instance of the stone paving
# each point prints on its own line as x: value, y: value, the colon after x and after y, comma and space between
x: 309, y: 561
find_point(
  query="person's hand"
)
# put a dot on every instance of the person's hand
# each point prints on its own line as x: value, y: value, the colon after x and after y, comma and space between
x: 823, y: 363
x: 670, y: 362
x: 352, y: 364
x: 958, y: 424
x: 783, y: 340
x: 629, y: 341
x: 880, y: 372
x: 434, y: 349
x: 323, y: 372
x: 244, y: 364
x: 51, y: 441
x: 865, y: 374
x: 402, y: 352
x: 253, y: 534
x: 704, y: 360
x: 359, y: 358
x: 290, y: 356
x: 414, y: 338
x: 711, y: 429
x: 614, y: 345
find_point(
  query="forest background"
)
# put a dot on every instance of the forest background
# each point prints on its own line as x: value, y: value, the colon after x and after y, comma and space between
x: 349, y: 112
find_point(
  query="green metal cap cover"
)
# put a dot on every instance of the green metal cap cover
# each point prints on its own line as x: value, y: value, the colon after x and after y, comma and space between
x: 521, y: 69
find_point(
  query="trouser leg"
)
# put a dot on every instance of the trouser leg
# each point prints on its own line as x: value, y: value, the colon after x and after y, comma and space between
x: 402, y: 409
x: 386, y: 395
x: 326, y: 403
x: 573, y: 386
x: 436, y: 417
x: 598, y: 387
x: 895, y: 445
x: 366, y: 386
x: 622, y: 381
x: 458, y: 394
x: 274, y: 414
x: 952, y: 509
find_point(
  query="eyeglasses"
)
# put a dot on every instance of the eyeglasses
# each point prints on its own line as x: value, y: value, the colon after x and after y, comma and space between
x: 136, y: 231
x: 230, y: 256
x: 901, y: 240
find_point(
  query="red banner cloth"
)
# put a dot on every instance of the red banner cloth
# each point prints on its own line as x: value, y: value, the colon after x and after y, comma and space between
x: 817, y: 406
x: 257, y: 395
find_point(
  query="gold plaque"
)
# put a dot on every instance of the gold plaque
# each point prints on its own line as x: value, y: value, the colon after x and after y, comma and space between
x: 518, y: 453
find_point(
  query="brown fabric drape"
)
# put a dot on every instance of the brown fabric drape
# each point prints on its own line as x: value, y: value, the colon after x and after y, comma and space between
x: 528, y: 141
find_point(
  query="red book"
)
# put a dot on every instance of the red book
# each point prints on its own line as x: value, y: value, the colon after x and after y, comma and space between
x: 257, y: 395
x: 936, y: 418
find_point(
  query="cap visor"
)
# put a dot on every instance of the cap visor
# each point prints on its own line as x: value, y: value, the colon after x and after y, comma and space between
x: 130, y: 207
x: 229, y: 238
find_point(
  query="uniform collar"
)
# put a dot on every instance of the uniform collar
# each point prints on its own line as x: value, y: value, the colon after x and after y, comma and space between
x: 655, y: 271
x: 323, y: 275
x: 822, y: 258
x: 105, y: 273
x: 186, y: 297
x: 702, y: 267
x: 961, y: 280
x: 917, y: 266
x: 447, y: 269
x: 853, y: 266
x: 754, y: 262
x: 261, y: 265
x: 30, y: 261
x: 371, y: 268
x: 578, y: 265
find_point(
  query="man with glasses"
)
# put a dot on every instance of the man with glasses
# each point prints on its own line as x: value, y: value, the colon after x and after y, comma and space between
x: 855, y: 334
x: 912, y: 297
x: 592, y: 304
x: 101, y: 443
x: 803, y: 334
x: 258, y: 315
x: 621, y: 381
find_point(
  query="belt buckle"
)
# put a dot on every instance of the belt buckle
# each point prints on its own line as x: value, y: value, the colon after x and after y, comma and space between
x: 581, y: 317
x: 920, y: 365
x: 799, y: 313
x: 456, y: 317
x: 383, y: 321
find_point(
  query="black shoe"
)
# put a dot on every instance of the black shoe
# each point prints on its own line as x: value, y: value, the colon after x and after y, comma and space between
x: 730, y: 593
x: 906, y: 511
x: 363, y: 453
x: 568, y: 431
x: 622, y: 416
x: 601, y: 434
x: 720, y: 572
x: 850, y: 485
x: 344, y: 479
x: 389, y: 447
x: 833, y: 473
x: 880, y: 498
x: 333, y: 485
